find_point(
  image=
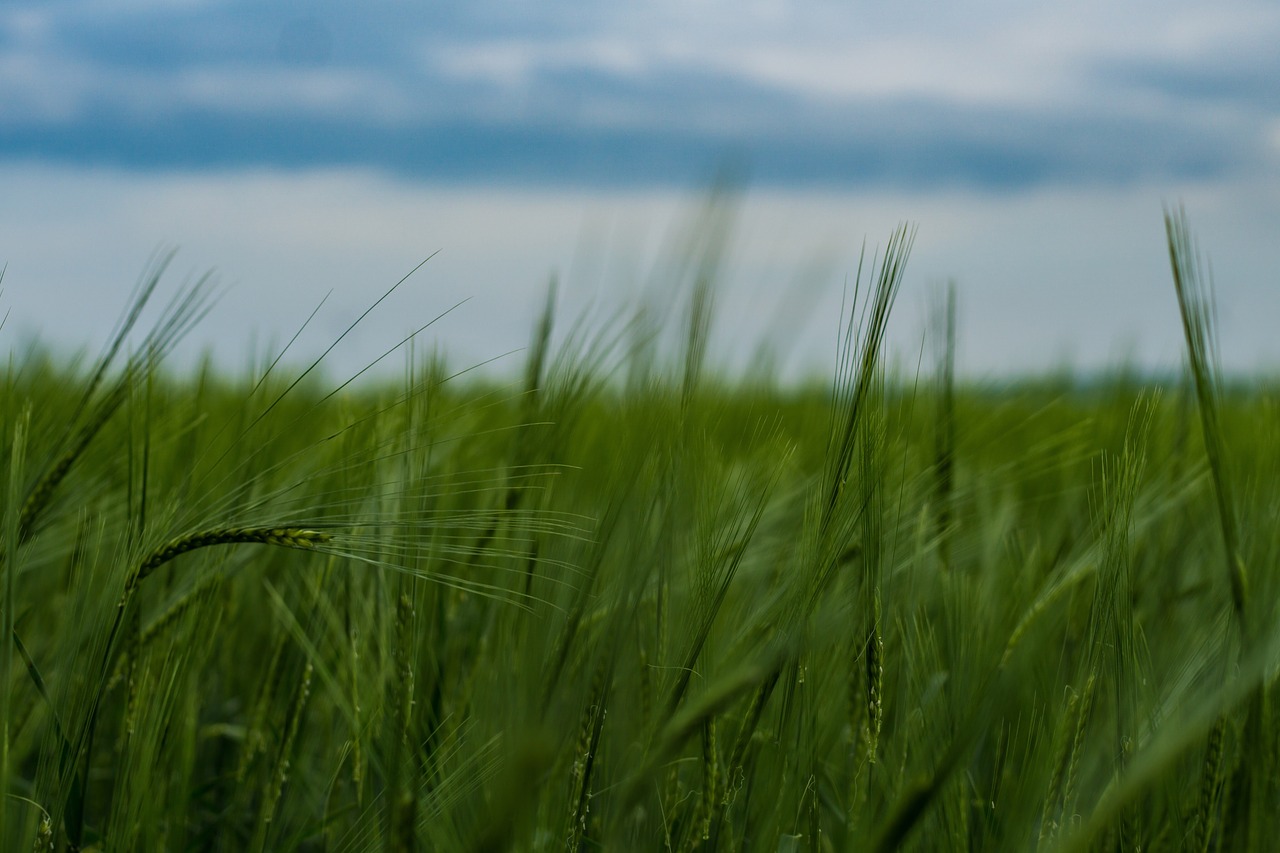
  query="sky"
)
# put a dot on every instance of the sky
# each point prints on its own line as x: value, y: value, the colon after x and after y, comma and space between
x: 305, y: 149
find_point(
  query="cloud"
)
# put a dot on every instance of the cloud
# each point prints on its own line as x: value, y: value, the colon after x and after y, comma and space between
x: 994, y: 93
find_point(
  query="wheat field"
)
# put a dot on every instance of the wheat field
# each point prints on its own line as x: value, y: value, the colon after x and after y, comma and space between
x: 623, y: 602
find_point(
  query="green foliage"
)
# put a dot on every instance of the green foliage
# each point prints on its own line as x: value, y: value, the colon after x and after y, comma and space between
x: 629, y: 604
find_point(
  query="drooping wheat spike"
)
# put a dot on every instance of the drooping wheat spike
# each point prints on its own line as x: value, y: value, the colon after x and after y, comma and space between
x: 283, y: 537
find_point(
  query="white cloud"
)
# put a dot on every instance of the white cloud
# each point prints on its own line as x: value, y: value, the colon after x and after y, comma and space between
x: 1273, y: 137
x: 1000, y: 92
x: 515, y: 61
x: 331, y: 91
x: 42, y: 86
x: 33, y: 88
x: 26, y: 24
x: 962, y: 53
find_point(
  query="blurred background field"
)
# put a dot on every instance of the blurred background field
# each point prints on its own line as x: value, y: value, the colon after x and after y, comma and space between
x: 624, y: 602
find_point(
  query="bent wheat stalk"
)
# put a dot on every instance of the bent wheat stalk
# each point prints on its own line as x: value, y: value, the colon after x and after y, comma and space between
x: 284, y: 537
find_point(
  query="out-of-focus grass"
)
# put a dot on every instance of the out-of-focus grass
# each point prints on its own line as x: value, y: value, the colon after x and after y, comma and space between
x: 639, y: 608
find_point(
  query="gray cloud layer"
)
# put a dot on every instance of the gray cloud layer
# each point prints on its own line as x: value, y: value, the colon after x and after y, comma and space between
x: 575, y: 93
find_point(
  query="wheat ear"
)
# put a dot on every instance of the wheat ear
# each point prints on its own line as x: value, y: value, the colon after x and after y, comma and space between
x: 284, y: 537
